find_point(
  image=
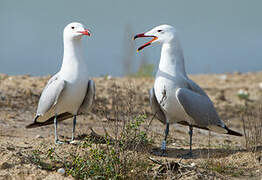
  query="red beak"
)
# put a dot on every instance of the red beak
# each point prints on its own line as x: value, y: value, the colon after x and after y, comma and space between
x: 85, y: 32
x: 146, y: 44
x: 140, y: 35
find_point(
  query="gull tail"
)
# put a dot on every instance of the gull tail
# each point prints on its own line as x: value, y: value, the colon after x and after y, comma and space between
x: 231, y: 132
x: 49, y: 121
x: 223, y: 130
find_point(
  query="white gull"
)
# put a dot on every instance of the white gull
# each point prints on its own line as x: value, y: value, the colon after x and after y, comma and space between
x: 175, y: 98
x: 69, y: 92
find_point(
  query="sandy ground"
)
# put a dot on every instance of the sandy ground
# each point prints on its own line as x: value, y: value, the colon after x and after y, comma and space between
x: 18, y: 102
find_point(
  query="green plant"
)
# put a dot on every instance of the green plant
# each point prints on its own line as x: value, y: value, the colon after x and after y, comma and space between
x: 133, y: 135
x: 97, y: 162
x: 36, y: 157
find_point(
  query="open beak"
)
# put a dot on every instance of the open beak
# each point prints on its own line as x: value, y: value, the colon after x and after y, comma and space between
x: 85, y: 32
x: 146, y: 44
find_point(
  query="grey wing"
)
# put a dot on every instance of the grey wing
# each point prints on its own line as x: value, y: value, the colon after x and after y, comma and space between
x: 200, y: 109
x: 50, y: 95
x: 155, y: 106
x: 46, y: 106
x: 89, y: 98
x: 194, y: 87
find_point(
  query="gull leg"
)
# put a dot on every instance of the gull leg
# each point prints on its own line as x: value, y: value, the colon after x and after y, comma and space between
x: 190, y: 141
x: 163, y: 147
x: 189, y: 154
x: 56, y: 137
x: 73, y: 130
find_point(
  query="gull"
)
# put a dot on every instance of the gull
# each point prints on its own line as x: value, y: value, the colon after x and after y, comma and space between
x: 175, y: 98
x: 69, y: 92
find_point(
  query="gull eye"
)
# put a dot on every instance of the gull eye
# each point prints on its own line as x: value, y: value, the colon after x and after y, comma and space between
x: 72, y: 27
x: 159, y: 30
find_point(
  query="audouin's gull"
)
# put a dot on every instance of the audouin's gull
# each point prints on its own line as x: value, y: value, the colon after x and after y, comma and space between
x: 69, y: 92
x: 175, y: 98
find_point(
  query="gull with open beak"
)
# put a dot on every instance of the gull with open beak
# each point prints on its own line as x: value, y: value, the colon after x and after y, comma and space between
x: 69, y: 92
x: 175, y: 98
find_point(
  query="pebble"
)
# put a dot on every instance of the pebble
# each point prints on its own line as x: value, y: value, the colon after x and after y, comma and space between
x: 193, y: 164
x: 223, y: 77
x: 10, y: 148
x: 38, y: 136
x: 74, y: 142
x: 260, y: 85
x: 61, y: 171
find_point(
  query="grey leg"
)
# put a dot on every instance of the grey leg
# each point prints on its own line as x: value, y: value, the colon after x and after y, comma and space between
x: 190, y: 140
x: 163, y: 147
x: 56, y: 137
x: 73, y: 130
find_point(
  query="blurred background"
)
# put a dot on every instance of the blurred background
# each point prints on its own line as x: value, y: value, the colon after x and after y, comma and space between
x: 217, y: 36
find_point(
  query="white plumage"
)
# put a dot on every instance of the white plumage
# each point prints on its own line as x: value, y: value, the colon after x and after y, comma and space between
x: 69, y: 92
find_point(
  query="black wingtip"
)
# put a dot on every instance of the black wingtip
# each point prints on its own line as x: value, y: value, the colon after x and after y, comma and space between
x: 33, y: 125
x: 231, y: 132
x: 49, y: 121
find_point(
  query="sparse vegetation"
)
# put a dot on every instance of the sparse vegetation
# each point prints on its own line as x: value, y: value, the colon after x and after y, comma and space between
x: 116, y: 158
x: 252, y: 125
x: 111, y: 160
x: 223, y: 167
x: 122, y: 136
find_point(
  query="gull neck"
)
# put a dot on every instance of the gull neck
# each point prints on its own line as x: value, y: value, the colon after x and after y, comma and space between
x: 172, y: 58
x: 73, y: 54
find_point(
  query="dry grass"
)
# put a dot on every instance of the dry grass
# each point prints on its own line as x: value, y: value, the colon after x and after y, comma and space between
x: 122, y: 136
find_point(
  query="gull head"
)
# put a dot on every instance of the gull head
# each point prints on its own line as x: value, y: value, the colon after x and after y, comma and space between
x: 160, y: 34
x: 75, y: 30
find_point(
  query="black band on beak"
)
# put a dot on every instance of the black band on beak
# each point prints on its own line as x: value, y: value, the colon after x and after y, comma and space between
x: 146, y: 44
x: 139, y: 35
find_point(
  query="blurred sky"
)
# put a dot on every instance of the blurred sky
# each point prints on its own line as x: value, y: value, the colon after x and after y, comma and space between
x: 217, y: 36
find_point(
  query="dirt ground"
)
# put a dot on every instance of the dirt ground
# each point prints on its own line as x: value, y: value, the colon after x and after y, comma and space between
x: 18, y: 102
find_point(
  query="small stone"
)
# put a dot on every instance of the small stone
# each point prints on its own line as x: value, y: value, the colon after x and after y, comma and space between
x: 10, y: 148
x: 74, y: 142
x: 193, y: 164
x: 38, y: 136
x: 61, y: 171
x: 223, y: 77
x: 260, y: 85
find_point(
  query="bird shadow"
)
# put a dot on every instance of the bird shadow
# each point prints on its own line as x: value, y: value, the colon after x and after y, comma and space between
x: 198, y: 153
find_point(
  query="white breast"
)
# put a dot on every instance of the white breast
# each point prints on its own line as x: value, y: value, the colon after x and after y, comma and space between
x: 165, y: 90
x: 73, y: 93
